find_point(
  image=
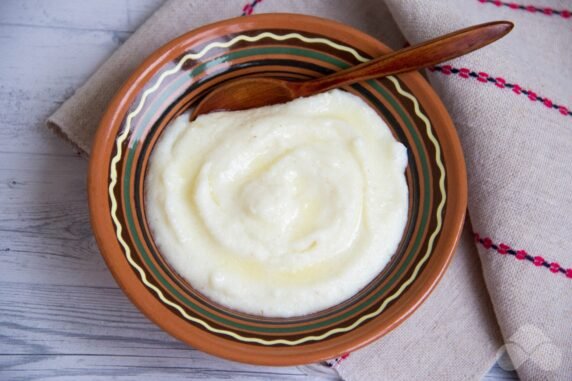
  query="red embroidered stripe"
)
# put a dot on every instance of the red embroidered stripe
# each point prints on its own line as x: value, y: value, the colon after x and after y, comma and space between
x: 337, y: 361
x: 504, y: 249
x: 564, y: 13
x: 249, y: 8
x: 501, y: 84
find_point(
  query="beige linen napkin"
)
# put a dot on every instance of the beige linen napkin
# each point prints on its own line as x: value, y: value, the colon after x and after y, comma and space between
x: 518, y: 152
x: 515, y: 125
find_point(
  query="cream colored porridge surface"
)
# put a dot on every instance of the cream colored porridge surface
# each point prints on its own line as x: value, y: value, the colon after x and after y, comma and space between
x: 282, y: 210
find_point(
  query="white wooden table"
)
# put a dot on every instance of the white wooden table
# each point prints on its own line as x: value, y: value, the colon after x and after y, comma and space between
x: 61, y: 314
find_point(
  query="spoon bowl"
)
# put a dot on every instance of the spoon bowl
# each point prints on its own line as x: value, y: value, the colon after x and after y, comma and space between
x: 245, y: 93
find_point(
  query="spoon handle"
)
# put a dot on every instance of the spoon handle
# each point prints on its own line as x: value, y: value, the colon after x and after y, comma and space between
x: 415, y: 57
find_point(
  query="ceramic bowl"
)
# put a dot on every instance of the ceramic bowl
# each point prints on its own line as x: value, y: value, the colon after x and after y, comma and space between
x: 289, y: 46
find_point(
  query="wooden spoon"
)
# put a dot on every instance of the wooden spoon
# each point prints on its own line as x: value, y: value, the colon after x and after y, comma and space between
x: 245, y: 93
